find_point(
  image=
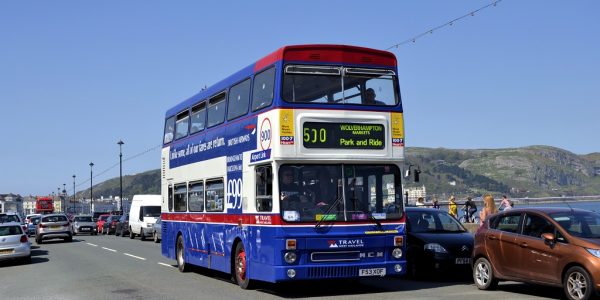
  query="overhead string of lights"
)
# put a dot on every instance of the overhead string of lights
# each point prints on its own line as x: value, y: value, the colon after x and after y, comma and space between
x: 449, y: 23
x: 117, y: 164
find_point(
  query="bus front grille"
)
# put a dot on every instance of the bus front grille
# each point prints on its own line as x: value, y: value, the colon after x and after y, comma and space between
x: 332, y: 272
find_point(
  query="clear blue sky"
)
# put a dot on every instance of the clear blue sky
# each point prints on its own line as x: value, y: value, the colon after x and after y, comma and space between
x: 77, y: 76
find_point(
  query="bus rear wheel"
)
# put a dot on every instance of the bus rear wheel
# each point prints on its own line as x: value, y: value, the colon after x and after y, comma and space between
x: 241, y: 267
x: 179, y: 248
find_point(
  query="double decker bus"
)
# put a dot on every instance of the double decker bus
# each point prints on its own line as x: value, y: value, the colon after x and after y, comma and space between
x: 289, y: 169
x: 44, y: 205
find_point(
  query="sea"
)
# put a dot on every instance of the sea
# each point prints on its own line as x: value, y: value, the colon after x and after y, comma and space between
x: 589, y: 205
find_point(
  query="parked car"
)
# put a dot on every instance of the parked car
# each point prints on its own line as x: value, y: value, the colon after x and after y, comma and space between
x: 549, y: 246
x: 14, y: 243
x: 123, y: 226
x: 84, y: 224
x: 110, y: 225
x: 31, y: 226
x: 100, y: 222
x: 53, y: 226
x: 436, y: 242
x: 157, y: 230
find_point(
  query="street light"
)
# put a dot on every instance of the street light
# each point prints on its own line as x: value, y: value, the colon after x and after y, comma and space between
x: 58, y: 195
x: 120, y: 143
x: 91, y: 188
x: 74, y: 194
x: 64, y: 191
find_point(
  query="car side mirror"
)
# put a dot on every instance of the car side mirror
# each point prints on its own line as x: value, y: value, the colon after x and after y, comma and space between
x: 549, y: 239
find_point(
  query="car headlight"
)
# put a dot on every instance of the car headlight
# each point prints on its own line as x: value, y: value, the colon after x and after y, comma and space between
x: 435, y: 247
x: 594, y: 252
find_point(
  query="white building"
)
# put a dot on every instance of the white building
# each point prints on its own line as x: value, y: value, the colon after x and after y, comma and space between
x: 414, y: 193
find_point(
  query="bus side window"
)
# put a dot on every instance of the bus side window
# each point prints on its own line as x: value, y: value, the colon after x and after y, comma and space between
x: 196, y: 197
x: 216, y: 110
x: 198, y: 118
x: 239, y: 96
x: 264, y: 188
x: 170, y: 189
x: 182, y: 125
x: 169, y: 130
x: 180, y: 200
x: 215, y: 194
x: 262, y: 92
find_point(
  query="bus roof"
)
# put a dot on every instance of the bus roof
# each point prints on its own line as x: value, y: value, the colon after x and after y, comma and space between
x: 339, y: 54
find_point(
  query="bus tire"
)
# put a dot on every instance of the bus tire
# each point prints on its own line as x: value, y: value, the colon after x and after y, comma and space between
x: 180, y: 255
x: 240, y: 267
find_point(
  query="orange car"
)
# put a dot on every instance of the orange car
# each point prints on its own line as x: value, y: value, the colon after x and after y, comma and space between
x: 100, y: 222
x: 549, y: 246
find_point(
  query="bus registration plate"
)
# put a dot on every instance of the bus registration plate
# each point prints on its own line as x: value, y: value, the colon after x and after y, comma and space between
x: 372, y: 272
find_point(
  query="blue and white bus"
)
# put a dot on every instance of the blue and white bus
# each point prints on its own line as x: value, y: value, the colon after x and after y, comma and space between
x: 289, y: 169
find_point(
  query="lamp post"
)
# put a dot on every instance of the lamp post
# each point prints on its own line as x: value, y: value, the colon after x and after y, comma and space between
x: 91, y: 188
x: 64, y: 201
x: 73, y: 193
x: 120, y: 143
x: 58, y: 195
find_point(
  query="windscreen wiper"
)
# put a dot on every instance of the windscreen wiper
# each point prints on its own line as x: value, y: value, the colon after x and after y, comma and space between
x: 325, y: 215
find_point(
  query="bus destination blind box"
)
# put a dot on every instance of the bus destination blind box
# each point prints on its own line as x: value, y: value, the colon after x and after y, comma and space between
x: 343, y: 135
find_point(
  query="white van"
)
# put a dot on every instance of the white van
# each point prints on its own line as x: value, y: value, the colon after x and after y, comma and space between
x: 144, y: 211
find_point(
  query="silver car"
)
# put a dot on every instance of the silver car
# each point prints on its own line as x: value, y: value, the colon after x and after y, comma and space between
x: 157, y: 230
x: 84, y: 224
x: 53, y: 226
x: 14, y: 243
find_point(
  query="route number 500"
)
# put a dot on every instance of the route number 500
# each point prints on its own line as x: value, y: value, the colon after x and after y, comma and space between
x: 312, y: 135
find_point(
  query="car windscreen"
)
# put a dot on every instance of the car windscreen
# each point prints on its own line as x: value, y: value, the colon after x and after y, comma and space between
x: 54, y: 219
x: 83, y: 219
x: 9, y: 218
x: 10, y: 230
x: 433, y: 221
x: 582, y: 224
x: 150, y: 211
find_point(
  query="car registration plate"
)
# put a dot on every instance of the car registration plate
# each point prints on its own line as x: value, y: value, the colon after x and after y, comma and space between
x: 463, y: 261
x: 84, y: 229
x: 6, y: 251
x: 372, y: 272
x: 55, y: 227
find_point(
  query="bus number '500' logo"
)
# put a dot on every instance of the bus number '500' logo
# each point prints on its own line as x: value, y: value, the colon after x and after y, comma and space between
x: 234, y: 193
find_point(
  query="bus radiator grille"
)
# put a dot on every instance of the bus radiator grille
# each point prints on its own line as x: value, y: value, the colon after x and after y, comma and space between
x: 332, y: 272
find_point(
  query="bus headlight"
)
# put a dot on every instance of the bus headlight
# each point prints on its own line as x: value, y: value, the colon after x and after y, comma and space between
x: 398, y: 268
x: 290, y: 257
x: 397, y: 253
x: 291, y: 273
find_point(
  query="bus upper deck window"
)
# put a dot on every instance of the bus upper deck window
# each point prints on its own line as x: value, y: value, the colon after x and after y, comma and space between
x: 262, y: 92
x: 169, y: 130
x: 216, y: 110
x: 239, y: 96
x: 198, y: 118
x: 182, y: 125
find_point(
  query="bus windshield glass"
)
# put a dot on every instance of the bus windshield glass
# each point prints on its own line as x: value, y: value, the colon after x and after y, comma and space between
x: 340, y: 193
x: 338, y: 85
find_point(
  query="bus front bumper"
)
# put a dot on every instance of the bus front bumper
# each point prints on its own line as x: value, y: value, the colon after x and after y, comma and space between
x: 311, y: 272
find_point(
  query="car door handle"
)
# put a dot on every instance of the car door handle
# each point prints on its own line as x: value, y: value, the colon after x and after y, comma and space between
x: 492, y: 237
x: 523, y: 245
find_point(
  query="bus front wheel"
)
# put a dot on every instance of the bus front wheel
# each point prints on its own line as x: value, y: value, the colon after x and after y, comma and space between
x: 181, y: 264
x: 241, y: 267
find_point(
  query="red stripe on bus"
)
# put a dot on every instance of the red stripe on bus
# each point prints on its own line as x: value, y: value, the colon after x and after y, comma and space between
x: 251, y: 219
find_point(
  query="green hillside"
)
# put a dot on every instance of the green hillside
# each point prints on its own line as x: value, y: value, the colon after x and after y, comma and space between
x: 534, y: 171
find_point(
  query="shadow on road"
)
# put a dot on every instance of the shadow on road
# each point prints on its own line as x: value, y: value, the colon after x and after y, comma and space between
x: 531, y: 290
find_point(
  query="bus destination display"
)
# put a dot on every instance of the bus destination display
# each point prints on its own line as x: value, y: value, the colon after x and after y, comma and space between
x: 343, y: 135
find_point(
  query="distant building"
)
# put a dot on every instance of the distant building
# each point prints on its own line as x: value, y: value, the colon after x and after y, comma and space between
x: 414, y: 193
x: 596, y: 171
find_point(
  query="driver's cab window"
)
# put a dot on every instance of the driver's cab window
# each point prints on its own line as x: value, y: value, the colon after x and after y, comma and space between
x: 264, y: 188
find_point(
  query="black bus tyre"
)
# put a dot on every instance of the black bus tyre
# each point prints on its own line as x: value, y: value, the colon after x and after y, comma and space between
x: 578, y: 284
x: 240, y: 267
x: 180, y: 255
x: 483, y: 275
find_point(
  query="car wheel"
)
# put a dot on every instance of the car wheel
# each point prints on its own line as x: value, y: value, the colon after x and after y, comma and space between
x: 131, y: 234
x: 69, y: 239
x: 240, y: 266
x: 38, y: 240
x: 483, y: 275
x: 142, y: 235
x: 155, y: 236
x: 180, y: 250
x: 578, y: 284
